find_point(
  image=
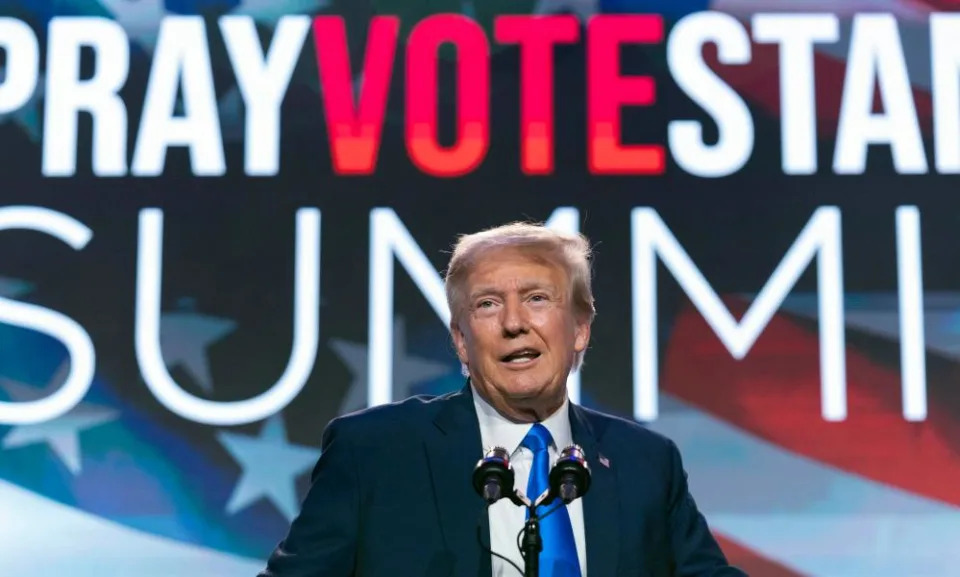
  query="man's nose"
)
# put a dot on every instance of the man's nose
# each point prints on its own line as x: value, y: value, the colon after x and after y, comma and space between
x: 514, y: 318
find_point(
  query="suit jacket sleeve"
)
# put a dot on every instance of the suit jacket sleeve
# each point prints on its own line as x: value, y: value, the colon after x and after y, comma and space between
x: 322, y: 540
x: 696, y: 553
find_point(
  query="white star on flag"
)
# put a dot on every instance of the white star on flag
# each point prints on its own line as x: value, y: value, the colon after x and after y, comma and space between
x: 184, y: 338
x: 13, y: 288
x: 141, y: 19
x: 28, y: 115
x: 270, y: 466
x: 407, y: 370
x: 270, y: 11
x: 584, y: 9
x: 62, y: 435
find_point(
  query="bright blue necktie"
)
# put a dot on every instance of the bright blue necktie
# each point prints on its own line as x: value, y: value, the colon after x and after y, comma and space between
x: 559, y: 555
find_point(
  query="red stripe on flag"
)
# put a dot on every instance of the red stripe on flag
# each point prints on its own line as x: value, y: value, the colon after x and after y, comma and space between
x: 939, y: 5
x: 751, y: 562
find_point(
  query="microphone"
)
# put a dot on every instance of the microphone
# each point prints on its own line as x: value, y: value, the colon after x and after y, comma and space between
x: 493, y: 479
x: 570, y: 475
x: 493, y: 476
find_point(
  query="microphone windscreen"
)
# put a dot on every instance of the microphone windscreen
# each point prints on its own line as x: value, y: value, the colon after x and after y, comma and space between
x: 493, y: 469
x: 570, y: 475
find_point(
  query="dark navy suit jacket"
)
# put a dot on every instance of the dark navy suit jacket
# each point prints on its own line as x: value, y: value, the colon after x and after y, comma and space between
x: 392, y: 497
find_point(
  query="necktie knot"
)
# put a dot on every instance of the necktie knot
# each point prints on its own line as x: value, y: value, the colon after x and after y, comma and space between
x: 538, y: 438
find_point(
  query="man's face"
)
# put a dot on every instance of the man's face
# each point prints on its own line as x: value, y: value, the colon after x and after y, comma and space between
x: 518, y: 333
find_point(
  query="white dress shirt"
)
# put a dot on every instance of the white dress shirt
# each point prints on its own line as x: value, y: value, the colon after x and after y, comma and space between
x: 507, y: 519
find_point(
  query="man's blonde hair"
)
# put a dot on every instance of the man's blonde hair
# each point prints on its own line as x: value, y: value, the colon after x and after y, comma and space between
x: 571, y: 251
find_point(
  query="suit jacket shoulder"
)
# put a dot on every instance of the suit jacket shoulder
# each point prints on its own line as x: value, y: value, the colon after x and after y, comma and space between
x: 391, y: 421
x: 622, y: 435
x: 371, y: 509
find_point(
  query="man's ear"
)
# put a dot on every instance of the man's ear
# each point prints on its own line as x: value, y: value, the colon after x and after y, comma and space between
x: 581, y: 336
x: 459, y: 341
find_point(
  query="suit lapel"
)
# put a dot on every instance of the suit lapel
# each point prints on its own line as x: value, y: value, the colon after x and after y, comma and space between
x: 601, y: 504
x: 453, y: 448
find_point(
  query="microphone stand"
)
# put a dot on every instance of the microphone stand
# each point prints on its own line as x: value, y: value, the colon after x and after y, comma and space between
x: 532, y: 545
x: 531, y: 542
x: 569, y: 480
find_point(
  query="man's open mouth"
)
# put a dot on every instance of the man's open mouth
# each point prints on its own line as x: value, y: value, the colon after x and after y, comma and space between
x: 519, y: 356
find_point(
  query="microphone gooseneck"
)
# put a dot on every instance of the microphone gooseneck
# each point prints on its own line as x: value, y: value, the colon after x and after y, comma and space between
x: 493, y: 479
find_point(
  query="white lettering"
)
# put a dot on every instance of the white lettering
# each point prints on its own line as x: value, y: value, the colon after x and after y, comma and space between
x: 944, y: 32
x: 64, y: 329
x: 651, y: 237
x: 263, y: 83
x: 723, y: 104
x: 913, y: 367
x: 65, y: 95
x: 19, y: 81
x: 876, y: 61
x: 796, y: 34
x: 181, y: 60
x: 305, y: 329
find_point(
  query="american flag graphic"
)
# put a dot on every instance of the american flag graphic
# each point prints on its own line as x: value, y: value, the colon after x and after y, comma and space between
x: 112, y: 489
x: 866, y: 496
x: 872, y: 496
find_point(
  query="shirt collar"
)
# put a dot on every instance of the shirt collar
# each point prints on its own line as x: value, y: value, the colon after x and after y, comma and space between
x: 498, y: 431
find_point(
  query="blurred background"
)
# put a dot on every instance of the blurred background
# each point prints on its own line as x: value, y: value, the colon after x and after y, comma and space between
x: 780, y: 297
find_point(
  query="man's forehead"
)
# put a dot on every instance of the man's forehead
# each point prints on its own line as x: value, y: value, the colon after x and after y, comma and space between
x: 515, y: 266
x: 501, y: 280
x: 509, y: 258
x: 508, y: 282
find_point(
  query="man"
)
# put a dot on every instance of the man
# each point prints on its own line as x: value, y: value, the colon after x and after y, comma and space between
x: 392, y: 493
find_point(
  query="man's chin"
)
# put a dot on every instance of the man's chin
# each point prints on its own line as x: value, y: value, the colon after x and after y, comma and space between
x: 519, y: 396
x: 528, y: 392
x: 522, y: 390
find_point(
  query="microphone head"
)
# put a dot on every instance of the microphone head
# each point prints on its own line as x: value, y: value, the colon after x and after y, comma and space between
x: 493, y: 476
x: 570, y: 475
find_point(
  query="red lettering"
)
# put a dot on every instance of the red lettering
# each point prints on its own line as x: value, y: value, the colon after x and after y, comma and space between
x: 608, y: 91
x: 473, y: 95
x: 354, y: 132
x: 536, y: 36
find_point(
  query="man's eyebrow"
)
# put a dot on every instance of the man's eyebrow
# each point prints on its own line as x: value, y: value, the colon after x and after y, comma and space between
x: 484, y: 290
x: 537, y: 285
